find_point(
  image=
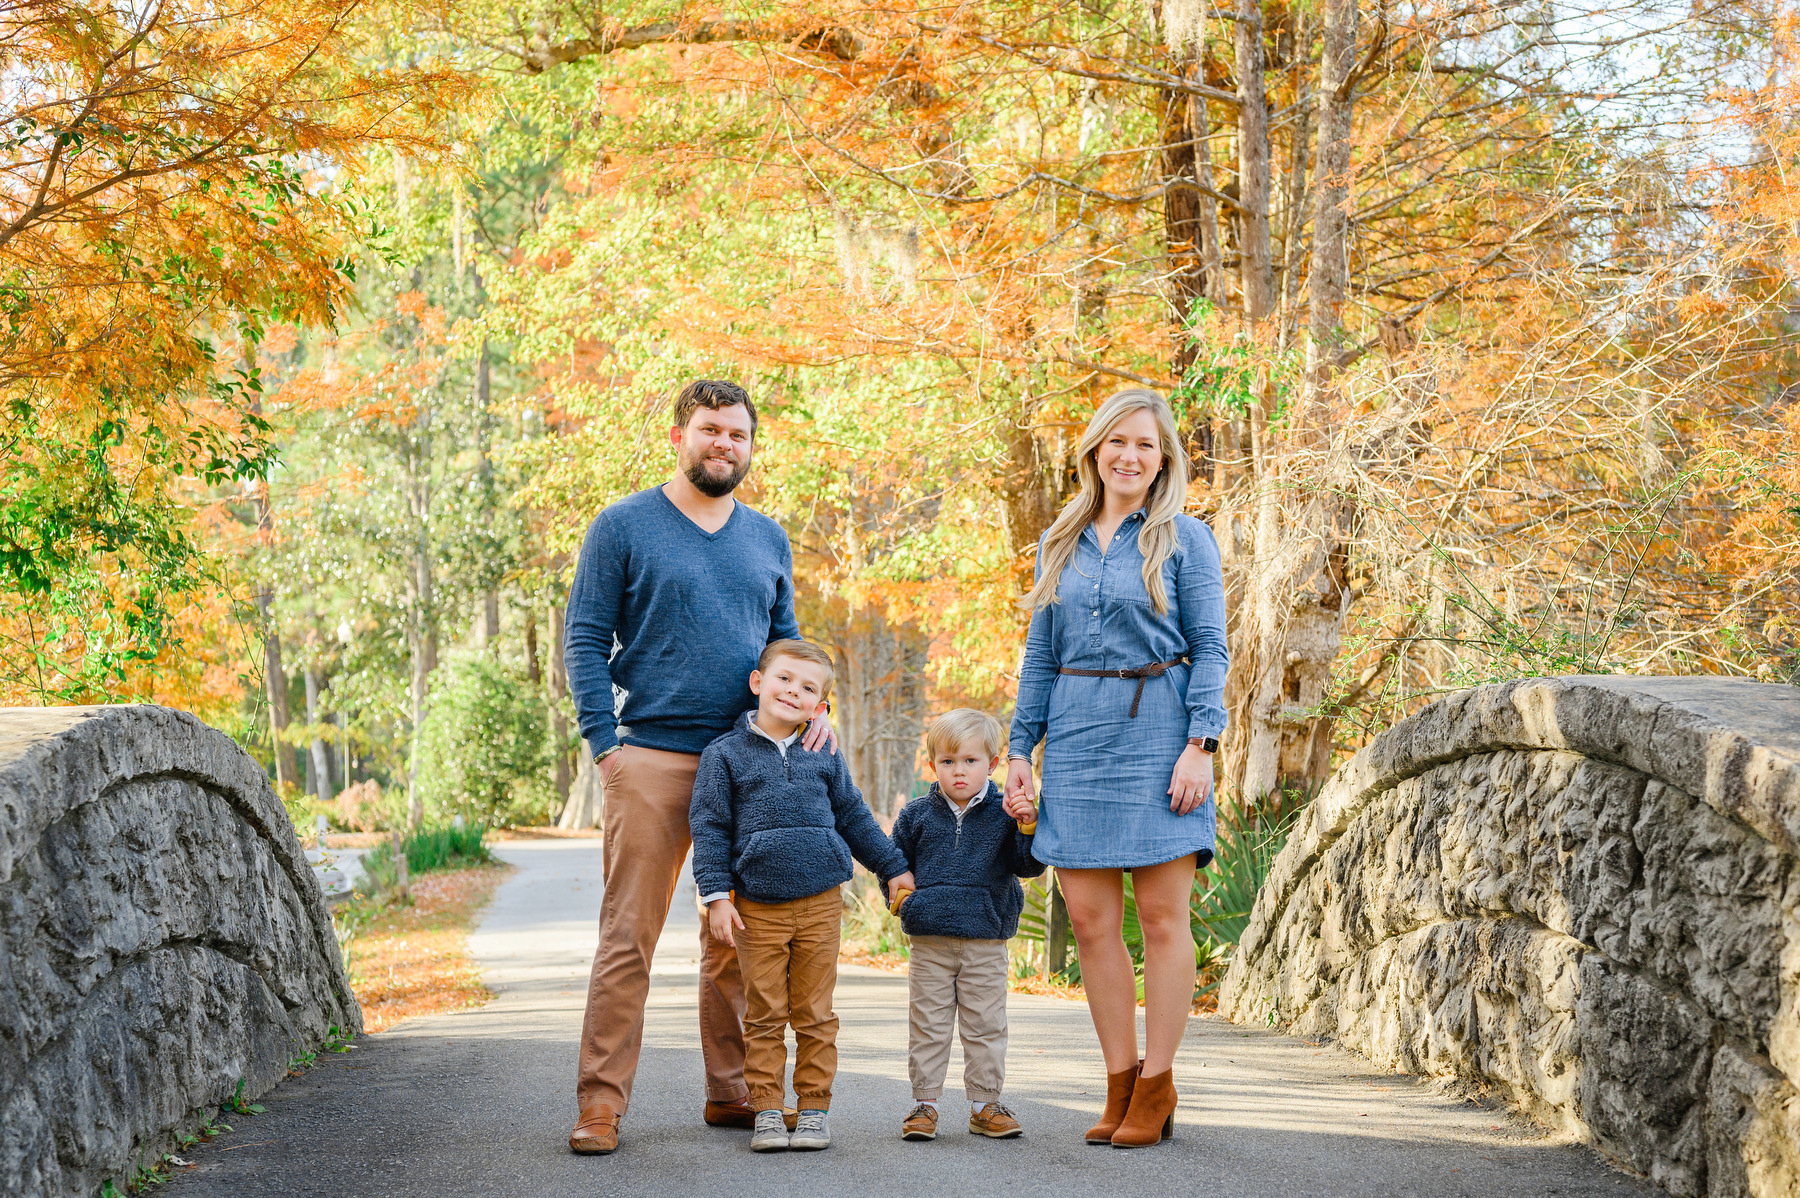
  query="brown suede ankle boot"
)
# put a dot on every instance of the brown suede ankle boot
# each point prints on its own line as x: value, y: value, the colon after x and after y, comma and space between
x: 1118, y: 1100
x: 1151, y: 1117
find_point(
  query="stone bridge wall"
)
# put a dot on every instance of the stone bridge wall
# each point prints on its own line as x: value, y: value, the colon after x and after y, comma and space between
x: 161, y: 937
x: 1582, y: 891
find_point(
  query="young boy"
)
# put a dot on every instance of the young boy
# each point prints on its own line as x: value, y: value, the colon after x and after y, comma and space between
x: 774, y: 829
x: 969, y: 851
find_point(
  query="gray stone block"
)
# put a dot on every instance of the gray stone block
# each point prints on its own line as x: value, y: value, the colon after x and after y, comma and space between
x: 161, y: 939
x: 1582, y: 891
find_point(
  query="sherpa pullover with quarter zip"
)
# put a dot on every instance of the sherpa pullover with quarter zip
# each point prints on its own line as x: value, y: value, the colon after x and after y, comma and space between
x: 967, y: 866
x: 777, y: 826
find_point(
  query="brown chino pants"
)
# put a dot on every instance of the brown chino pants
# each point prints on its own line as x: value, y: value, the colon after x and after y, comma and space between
x: 789, y: 954
x: 645, y: 822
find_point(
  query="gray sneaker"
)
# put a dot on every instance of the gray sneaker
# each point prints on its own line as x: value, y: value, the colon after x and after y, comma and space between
x: 771, y: 1134
x: 810, y: 1132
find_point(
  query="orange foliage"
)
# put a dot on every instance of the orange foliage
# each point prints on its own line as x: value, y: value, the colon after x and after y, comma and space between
x: 163, y: 203
x: 414, y: 960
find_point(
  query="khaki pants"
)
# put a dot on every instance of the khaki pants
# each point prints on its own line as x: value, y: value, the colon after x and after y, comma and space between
x: 950, y: 977
x: 645, y: 822
x: 789, y: 956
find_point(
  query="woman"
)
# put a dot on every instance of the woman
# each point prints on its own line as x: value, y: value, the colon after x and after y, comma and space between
x: 1123, y: 681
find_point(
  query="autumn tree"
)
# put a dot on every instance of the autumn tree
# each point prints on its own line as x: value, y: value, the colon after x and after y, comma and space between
x: 159, y: 212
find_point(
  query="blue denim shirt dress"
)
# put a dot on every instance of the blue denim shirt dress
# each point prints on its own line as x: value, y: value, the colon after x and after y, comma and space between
x: 1104, y: 796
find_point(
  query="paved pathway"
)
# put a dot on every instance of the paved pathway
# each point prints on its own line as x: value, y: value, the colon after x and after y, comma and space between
x: 479, y: 1103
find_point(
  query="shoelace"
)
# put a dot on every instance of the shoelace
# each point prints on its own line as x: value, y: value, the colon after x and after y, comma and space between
x: 770, y: 1121
x: 925, y: 1109
x: 810, y: 1122
x: 1000, y: 1108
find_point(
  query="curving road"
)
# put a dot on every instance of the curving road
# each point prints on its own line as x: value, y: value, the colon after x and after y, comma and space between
x: 479, y: 1103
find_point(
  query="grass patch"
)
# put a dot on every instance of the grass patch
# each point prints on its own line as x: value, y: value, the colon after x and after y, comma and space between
x: 427, y: 851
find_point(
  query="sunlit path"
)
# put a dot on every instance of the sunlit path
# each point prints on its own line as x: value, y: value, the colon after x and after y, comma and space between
x: 479, y: 1103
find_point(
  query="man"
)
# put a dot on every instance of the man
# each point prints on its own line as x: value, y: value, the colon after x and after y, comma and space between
x: 692, y: 585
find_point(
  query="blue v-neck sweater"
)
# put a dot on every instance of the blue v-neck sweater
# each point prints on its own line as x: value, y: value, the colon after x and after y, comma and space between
x: 666, y: 621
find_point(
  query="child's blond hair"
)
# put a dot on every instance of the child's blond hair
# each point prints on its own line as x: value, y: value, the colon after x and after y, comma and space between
x: 954, y: 729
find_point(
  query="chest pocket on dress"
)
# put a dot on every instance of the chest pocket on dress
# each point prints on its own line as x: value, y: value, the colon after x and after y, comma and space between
x: 1124, y: 583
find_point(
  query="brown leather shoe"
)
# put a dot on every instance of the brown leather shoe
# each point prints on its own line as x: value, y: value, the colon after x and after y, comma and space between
x: 1118, y: 1100
x: 995, y: 1122
x: 921, y: 1124
x: 596, y: 1131
x: 1151, y: 1118
x: 740, y: 1114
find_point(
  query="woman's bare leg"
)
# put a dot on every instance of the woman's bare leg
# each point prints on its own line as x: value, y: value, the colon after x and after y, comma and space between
x: 1162, y: 893
x: 1096, y: 899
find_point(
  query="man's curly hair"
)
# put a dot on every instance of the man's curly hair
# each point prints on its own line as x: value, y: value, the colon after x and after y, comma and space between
x: 713, y: 394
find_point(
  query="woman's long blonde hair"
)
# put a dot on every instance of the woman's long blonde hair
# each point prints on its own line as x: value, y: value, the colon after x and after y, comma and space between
x: 1168, y: 495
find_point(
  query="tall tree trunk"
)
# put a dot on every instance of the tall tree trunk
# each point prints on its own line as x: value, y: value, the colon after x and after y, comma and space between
x: 586, y: 796
x: 319, y: 768
x: 1184, y: 235
x: 422, y: 646
x: 1211, y: 257
x: 487, y: 634
x: 1330, y: 272
x: 1253, y: 163
x: 881, y: 704
x: 422, y: 621
x: 559, y: 720
x: 275, y: 681
x: 1297, y: 593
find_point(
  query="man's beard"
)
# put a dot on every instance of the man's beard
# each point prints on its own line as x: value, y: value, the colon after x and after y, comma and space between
x: 712, y: 485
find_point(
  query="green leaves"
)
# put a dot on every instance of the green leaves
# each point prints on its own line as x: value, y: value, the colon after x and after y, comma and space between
x: 484, y: 748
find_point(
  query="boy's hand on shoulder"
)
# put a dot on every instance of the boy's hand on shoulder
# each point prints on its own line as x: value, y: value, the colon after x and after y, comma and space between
x: 721, y: 917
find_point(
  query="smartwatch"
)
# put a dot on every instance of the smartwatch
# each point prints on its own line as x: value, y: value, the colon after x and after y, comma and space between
x: 1205, y: 744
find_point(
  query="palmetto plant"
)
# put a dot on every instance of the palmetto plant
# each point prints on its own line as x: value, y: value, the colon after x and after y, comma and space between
x: 1249, y: 838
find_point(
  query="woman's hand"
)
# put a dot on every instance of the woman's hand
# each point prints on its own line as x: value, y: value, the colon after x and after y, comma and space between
x: 1193, y: 780
x: 1018, y: 780
x: 1020, y: 807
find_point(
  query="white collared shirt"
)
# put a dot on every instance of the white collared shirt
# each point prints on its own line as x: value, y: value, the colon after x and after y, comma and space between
x: 963, y: 810
x: 781, y: 744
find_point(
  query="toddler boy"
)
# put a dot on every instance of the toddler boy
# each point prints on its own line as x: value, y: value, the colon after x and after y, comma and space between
x: 968, y: 854
x: 774, y: 829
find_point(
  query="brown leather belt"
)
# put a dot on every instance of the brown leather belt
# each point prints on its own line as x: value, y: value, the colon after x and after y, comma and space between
x: 1142, y: 673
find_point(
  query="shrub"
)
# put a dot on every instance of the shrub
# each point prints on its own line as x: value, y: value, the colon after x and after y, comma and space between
x: 1249, y: 839
x: 483, y: 749
x: 446, y: 848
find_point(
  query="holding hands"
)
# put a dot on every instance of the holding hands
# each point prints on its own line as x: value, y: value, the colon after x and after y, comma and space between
x: 1019, y: 784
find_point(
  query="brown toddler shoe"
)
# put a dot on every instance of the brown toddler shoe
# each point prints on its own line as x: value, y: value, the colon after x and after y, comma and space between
x: 921, y: 1124
x: 995, y: 1122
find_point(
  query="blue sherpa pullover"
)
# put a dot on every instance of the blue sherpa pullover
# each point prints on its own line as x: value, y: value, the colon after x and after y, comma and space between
x: 968, y: 873
x: 777, y: 827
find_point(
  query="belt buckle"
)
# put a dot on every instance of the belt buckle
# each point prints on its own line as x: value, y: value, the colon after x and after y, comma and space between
x: 1125, y: 674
